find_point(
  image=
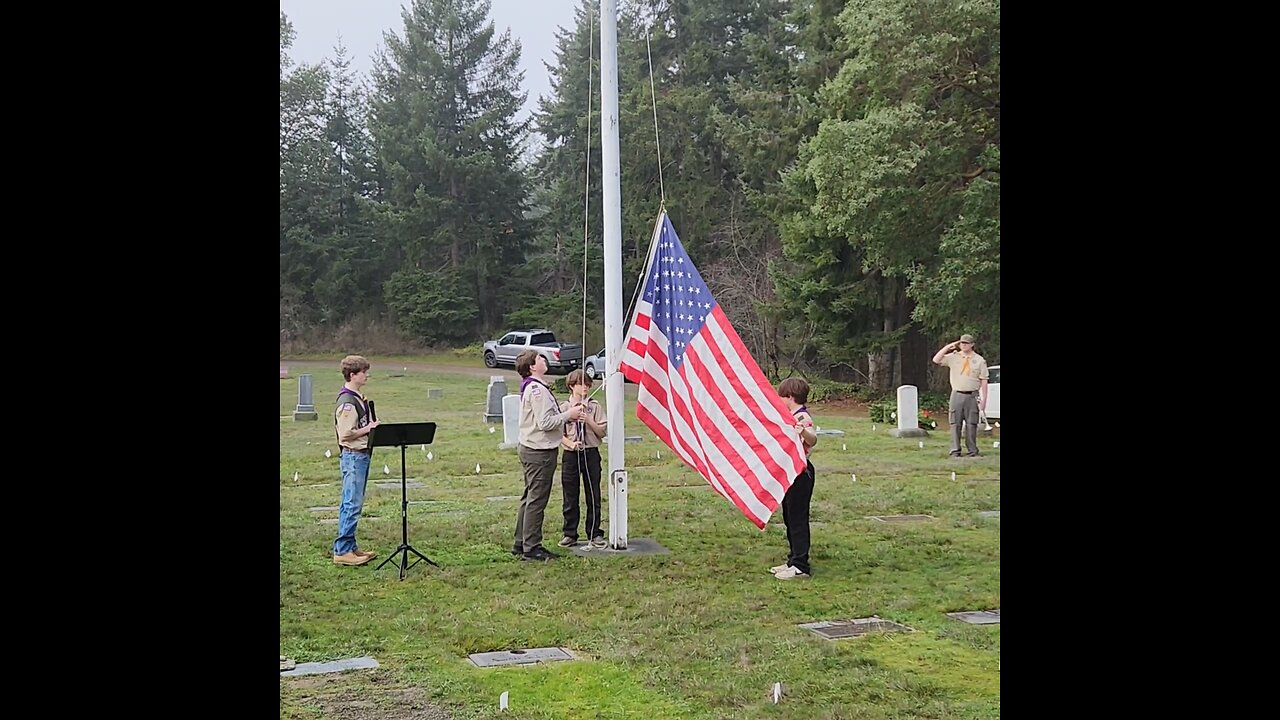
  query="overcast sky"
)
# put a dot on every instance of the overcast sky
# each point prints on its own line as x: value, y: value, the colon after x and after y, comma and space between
x: 318, y: 23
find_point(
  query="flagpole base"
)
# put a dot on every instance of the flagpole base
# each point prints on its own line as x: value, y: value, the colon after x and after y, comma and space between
x: 635, y: 547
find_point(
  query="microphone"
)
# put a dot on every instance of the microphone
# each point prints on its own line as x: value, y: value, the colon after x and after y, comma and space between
x: 373, y: 415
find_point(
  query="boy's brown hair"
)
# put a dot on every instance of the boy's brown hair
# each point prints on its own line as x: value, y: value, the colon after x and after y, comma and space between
x: 578, y: 377
x: 525, y: 361
x: 796, y: 389
x: 353, y: 364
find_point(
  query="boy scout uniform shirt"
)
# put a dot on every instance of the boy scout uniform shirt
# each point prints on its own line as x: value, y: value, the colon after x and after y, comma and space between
x: 541, y: 422
x: 589, y: 438
x: 802, y: 414
x: 967, y: 372
x: 347, y: 419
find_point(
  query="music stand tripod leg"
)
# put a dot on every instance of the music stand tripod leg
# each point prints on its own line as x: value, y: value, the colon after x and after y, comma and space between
x: 401, y: 437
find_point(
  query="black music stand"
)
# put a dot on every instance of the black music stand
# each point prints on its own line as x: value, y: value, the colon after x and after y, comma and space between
x: 403, y: 434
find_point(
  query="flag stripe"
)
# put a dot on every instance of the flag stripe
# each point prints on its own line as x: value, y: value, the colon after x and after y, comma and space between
x: 744, y: 482
x: 760, y: 398
x: 733, y: 428
x: 677, y: 431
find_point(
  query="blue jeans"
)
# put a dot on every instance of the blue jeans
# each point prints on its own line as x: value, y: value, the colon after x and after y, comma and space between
x: 355, y: 475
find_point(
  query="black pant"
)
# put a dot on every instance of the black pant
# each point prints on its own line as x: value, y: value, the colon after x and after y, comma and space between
x: 795, y: 515
x: 575, y: 465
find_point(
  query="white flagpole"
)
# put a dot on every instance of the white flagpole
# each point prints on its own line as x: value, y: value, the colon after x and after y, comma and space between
x: 610, y: 158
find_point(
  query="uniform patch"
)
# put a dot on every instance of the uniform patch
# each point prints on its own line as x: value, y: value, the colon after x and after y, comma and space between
x: 346, y: 409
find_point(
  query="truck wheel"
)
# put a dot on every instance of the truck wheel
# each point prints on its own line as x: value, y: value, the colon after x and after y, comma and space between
x: 490, y: 361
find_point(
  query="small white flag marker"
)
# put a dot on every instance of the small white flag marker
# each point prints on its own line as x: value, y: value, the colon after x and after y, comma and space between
x: 502, y: 700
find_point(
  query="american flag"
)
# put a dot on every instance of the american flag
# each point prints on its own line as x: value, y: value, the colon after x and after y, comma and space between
x: 700, y: 390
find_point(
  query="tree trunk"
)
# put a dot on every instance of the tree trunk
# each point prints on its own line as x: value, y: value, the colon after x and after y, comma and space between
x: 455, y: 255
x: 882, y: 365
x: 916, y: 352
x: 557, y: 278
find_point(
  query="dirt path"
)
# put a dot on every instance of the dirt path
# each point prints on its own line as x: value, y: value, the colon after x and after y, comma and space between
x: 385, y: 368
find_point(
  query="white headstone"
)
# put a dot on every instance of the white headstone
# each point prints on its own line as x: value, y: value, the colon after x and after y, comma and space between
x: 908, y: 413
x: 510, y: 421
x: 908, y: 407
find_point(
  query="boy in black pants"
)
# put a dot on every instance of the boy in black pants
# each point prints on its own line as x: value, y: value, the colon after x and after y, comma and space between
x: 581, y: 466
x: 795, y: 504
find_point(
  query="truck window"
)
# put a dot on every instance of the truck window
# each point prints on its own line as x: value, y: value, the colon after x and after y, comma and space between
x: 543, y: 339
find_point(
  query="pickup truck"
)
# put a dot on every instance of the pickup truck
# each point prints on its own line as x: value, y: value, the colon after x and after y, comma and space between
x: 594, y: 366
x: 560, y: 356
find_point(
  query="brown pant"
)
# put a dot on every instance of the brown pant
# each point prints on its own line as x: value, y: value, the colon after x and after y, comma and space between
x: 964, y: 410
x: 539, y: 474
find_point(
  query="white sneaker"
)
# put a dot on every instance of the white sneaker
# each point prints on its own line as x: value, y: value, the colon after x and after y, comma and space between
x: 778, y: 568
x: 567, y: 542
x: 599, y: 543
x: 790, y: 573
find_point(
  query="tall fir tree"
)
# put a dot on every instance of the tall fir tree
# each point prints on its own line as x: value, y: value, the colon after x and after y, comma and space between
x: 443, y: 119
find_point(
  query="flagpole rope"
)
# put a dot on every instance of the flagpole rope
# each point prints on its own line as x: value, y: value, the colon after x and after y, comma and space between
x: 653, y: 96
x: 586, y: 216
x: 662, y: 191
x: 586, y: 192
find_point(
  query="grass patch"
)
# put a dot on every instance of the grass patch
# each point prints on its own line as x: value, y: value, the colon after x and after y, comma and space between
x: 703, y: 632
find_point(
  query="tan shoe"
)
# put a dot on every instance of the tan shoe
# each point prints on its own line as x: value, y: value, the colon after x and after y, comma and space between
x: 350, y: 559
x: 367, y: 553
